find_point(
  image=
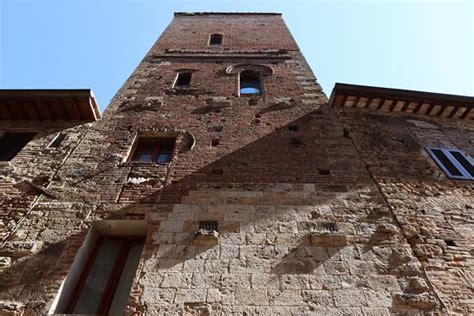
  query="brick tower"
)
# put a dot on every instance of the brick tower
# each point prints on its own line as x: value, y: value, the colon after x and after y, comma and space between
x: 221, y: 180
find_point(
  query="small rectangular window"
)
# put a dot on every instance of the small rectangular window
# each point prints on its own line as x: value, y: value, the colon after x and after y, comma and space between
x: 12, y: 143
x: 58, y: 139
x: 106, y: 281
x: 208, y: 225
x: 215, y: 39
x: 454, y: 163
x: 183, y: 80
x: 159, y: 151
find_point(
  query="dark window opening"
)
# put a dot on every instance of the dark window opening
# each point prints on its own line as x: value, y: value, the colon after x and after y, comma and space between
x: 159, y: 151
x: 105, y: 283
x: 217, y: 128
x: 215, y: 142
x: 450, y: 242
x: 183, y: 80
x: 345, y: 133
x: 208, y: 225
x: 324, y: 172
x: 454, y: 163
x: 463, y: 161
x: 296, y: 141
x: 12, y: 143
x: 250, y: 83
x: 215, y: 39
x: 218, y: 172
x: 293, y: 128
x: 58, y: 139
x: 327, y: 226
x: 442, y: 158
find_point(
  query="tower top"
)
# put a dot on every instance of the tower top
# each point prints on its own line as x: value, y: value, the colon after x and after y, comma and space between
x: 224, y: 13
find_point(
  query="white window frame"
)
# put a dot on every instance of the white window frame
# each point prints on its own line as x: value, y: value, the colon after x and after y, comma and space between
x: 447, y: 152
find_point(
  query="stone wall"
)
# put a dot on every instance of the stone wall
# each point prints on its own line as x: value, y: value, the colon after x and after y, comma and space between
x: 435, y: 213
x: 318, y: 211
x: 24, y: 184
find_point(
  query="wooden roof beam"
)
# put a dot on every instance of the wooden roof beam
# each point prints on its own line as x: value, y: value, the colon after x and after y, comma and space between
x: 4, y: 112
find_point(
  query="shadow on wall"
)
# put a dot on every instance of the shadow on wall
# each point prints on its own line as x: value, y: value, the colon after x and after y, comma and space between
x: 321, y: 159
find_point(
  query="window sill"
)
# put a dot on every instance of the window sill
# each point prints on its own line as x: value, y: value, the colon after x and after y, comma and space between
x: 143, y: 163
x: 183, y: 91
x: 251, y: 97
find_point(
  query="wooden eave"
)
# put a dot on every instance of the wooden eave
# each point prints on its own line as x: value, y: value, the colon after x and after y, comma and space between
x: 402, y: 101
x: 48, y: 105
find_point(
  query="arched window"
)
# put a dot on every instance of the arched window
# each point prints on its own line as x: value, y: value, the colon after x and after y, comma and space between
x: 215, y: 39
x: 249, y: 82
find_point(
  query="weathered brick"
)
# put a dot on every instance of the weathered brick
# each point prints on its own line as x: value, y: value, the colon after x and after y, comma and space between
x: 286, y: 164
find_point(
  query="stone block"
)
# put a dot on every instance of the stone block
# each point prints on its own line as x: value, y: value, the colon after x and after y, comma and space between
x: 236, y: 281
x: 253, y: 297
x: 176, y: 280
x: 328, y: 239
x: 417, y: 285
x: 378, y: 298
x: 224, y: 296
x: 264, y: 281
x: 23, y: 248
x: 11, y: 308
x: 285, y: 297
x: 418, y: 301
x: 206, y: 238
x: 190, y: 295
x: 351, y: 298
x: 158, y: 295
x: 318, y: 298
x: 206, y: 280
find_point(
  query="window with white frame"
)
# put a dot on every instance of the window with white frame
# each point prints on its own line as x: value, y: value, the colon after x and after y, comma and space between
x: 103, y: 271
x: 454, y: 162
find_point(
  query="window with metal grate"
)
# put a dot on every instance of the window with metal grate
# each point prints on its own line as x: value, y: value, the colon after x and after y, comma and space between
x: 208, y: 225
x: 327, y: 227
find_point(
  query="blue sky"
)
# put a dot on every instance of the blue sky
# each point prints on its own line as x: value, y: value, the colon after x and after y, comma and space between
x: 419, y: 45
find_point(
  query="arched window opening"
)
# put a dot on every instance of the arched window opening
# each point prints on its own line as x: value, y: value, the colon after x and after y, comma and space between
x: 250, y: 83
x: 215, y: 39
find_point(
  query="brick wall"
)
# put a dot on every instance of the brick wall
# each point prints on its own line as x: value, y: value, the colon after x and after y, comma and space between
x: 286, y: 165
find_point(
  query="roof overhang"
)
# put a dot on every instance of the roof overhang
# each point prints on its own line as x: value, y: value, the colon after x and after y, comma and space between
x: 402, y: 101
x: 48, y: 105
